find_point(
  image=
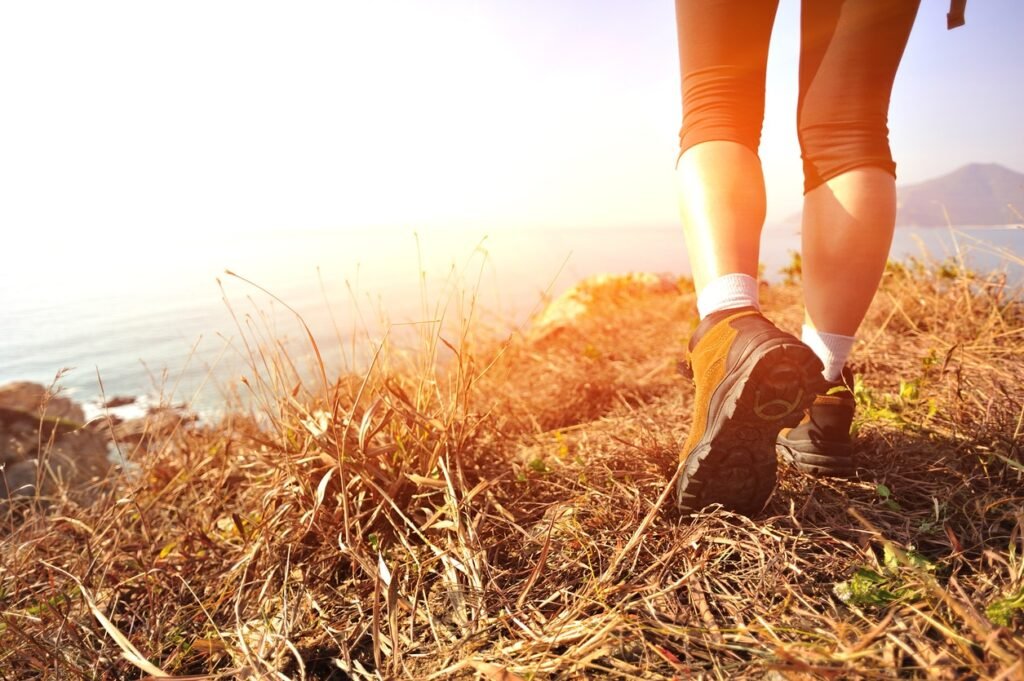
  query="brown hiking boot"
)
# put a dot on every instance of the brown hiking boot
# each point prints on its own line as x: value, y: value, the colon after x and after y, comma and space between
x: 821, y: 443
x: 752, y: 380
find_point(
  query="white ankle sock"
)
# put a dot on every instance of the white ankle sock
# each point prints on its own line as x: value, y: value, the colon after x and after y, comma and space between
x: 831, y: 348
x: 726, y: 292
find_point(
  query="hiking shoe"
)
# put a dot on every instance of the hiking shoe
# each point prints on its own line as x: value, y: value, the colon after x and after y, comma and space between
x: 752, y: 380
x: 821, y: 443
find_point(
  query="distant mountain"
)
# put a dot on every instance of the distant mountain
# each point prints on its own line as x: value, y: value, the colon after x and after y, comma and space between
x: 976, y: 194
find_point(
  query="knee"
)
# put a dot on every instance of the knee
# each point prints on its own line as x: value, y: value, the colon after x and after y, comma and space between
x: 724, y: 103
x: 833, y: 145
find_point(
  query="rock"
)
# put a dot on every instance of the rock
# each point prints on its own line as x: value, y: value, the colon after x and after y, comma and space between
x: 79, y: 457
x: 32, y: 398
x: 21, y: 432
x: 574, y: 306
x: 19, y: 435
x: 119, y: 401
x: 159, y: 422
x: 18, y: 479
x: 74, y: 455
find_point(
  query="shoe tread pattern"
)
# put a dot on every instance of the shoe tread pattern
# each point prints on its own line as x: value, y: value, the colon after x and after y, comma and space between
x: 735, y: 464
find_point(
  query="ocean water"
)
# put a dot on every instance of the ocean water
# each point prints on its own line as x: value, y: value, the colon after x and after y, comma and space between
x: 168, y: 323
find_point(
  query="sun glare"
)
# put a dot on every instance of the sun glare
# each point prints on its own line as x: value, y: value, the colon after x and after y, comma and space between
x: 331, y: 115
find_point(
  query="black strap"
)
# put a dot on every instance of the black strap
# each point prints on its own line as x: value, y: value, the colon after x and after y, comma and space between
x: 955, y: 17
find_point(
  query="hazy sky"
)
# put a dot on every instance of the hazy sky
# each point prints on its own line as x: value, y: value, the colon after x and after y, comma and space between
x: 195, y: 117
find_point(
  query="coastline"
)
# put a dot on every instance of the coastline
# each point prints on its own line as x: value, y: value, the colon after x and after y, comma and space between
x: 169, y: 347
x: 484, y: 477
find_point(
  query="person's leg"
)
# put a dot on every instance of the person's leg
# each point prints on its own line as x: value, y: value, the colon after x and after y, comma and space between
x: 847, y: 231
x: 850, y: 52
x: 722, y: 206
x: 849, y: 55
x: 723, y: 51
x: 751, y: 379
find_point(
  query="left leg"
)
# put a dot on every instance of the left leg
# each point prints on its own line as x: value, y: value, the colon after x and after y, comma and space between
x: 723, y: 54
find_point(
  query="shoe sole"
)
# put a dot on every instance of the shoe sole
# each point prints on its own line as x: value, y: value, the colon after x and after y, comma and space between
x: 838, y: 464
x: 734, y: 463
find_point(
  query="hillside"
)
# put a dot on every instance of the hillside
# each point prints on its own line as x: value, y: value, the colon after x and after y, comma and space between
x: 494, y: 507
x: 976, y: 194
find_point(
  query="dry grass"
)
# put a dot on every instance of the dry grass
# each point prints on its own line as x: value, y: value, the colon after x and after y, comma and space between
x: 483, y: 509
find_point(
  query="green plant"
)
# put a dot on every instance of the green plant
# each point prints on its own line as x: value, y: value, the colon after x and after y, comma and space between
x: 1003, y: 611
x: 897, y: 579
x: 794, y: 270
x: 885, y: 494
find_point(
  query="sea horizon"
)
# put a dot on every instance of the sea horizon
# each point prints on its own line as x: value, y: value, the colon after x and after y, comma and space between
x: 144, y: 327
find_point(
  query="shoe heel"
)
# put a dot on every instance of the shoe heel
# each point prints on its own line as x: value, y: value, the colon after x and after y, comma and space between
x: 785, y: 380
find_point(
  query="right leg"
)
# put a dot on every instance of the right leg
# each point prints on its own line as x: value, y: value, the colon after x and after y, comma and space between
x: 723, y: 52
x: 849, y: 55
x: 850, y: 52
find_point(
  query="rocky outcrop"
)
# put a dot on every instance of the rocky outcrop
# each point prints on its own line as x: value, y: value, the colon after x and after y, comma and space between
x: 158, y: 423
x: 34, y: 399
x: 38, y: 454
x: 119, y: 401
x: 44, y: 444
x: 598, y: 297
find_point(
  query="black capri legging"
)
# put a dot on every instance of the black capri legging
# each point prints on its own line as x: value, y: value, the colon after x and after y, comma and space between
x: 849, y: 53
